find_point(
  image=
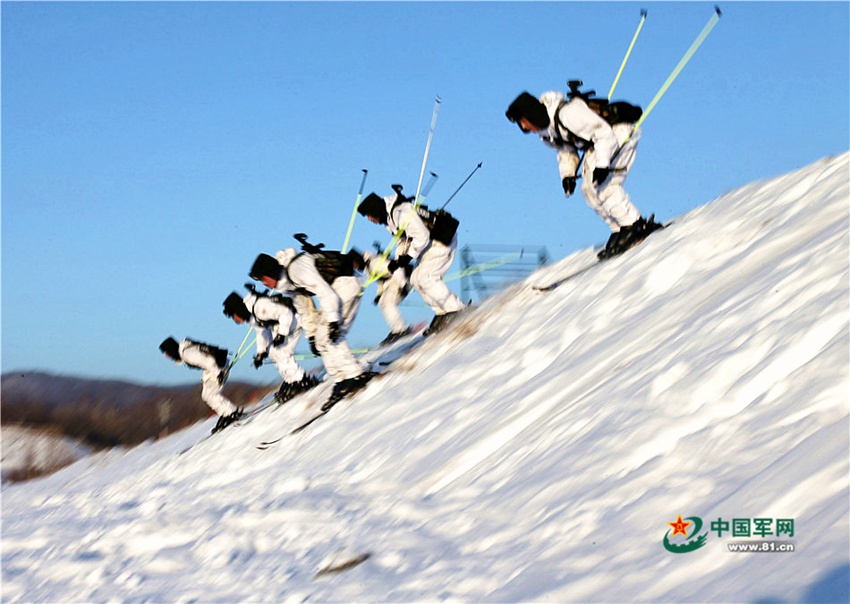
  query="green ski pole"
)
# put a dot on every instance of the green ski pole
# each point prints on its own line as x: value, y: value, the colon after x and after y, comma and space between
x: 385, y: 254
x: 354, y: 212
x: 628, y: 53
x: 684, y: 61
x: 675, y: 73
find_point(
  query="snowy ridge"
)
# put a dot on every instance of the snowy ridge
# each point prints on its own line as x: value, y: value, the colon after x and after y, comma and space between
x: 536, y: 452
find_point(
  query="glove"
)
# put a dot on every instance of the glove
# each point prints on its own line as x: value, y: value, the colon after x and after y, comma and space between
x: 334, y: 331
x: 279, y: 340
x: 313, y: 349
x: 569, y: 184
x: 222, y: 377
x: 259, y: 358
x: 600, y: 175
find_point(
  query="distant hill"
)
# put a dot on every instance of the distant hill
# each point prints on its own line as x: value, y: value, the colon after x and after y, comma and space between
x: 51, y: 389
x: 105, y: 413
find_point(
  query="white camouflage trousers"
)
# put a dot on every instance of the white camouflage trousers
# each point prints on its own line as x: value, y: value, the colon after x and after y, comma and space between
x: 610, y: 200
x: 337, y: 357
x: 212, y: 396
x: 391, y: 292
x: 428, y: 275
x: 283, y: 357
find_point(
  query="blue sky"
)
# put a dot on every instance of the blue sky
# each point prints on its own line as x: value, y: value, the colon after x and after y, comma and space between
x: 151, y: 150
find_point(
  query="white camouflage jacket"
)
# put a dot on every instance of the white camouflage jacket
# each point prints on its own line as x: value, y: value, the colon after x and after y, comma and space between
x: 192, y: 355
x: 299, y: 275
x: 417, y: 237
x: 582, y: 122
x: 269, y: 320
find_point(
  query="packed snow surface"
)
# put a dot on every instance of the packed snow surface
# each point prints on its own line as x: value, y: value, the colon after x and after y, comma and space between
x: 538, y: 452
x: 37, y: 451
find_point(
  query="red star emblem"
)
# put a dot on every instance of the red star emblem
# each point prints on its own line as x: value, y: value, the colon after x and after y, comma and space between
x: 679, y: 526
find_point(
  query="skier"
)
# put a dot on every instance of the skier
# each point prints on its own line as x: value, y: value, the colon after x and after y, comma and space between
x: 338, y: 293
x: 430, y: 251
x: 212, y: 361
x: 274, y: 321
x: 571, y: 126
x: 393, y: 287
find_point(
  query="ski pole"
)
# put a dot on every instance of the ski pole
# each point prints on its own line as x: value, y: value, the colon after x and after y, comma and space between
x: 428, y: 186
x: 443, y: 207
x: 237, y: 356
x: 354, y: 212
x: 241, y: 353
x: 628, y: 53
x: 684, y: 60
x: 427, y: 150
x: 385, y: 253
x: 674, y: 74
x: 417, y: 201
x: 483, y: 266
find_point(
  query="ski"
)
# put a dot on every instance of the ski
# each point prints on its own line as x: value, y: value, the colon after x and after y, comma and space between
x: 254, y: 412
x: 549, y: 287
x: 308, y: 423
x: 245, y: 419
x: 324, y: 411
x: 268, y: 443
x: 557, y: 283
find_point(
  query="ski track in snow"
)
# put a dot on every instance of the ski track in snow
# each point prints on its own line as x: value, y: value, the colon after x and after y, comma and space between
x: 535, y: 452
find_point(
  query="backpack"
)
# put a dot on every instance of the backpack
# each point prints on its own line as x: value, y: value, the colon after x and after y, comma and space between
x: 618, y: 112
x: 442, y: 225
x: 439, y: 223
x: 330, y: 263
x: 276, y: 298
x: 219, y: 354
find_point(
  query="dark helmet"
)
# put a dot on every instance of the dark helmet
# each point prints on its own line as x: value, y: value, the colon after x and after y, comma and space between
x: 265, y: 266
x: 375, y: 207
x: 527, y: 106
x: 234, y: 306
x: 170, y: 348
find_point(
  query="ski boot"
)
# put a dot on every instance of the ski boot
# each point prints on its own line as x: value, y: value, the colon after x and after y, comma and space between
x: 394, y: 337
x: 226, y: 420
x: 440, y: 322
x: 289, y: 390
x: 629, y: 236
x: 347, y: 387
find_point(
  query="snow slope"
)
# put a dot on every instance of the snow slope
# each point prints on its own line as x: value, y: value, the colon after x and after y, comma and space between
x: 32, y: 451
x: 537, y: 452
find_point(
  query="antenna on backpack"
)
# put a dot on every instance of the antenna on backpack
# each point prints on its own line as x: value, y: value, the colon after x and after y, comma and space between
x: 310, y: 248
x: 574, y: 92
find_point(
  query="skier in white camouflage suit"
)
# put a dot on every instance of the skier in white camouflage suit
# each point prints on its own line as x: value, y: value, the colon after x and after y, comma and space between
x: 338, y: 297
x: 275, y: 324
x: 430, y: 257
x: 393, y: 287
x: 570, y: 127
x: 212, y: 361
